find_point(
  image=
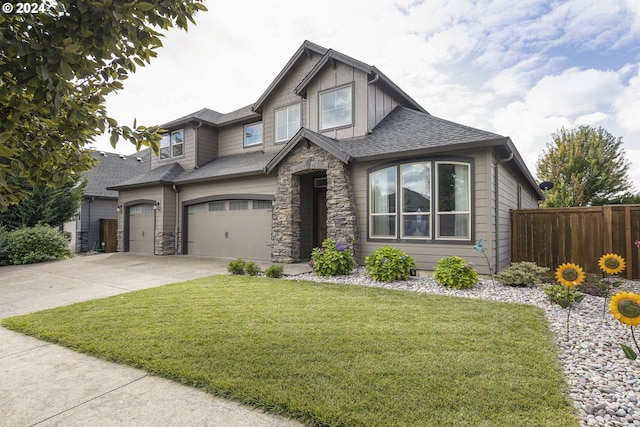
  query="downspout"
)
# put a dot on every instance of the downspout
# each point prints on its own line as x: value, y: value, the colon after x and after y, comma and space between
x: 496, y: 190
x: 175, y: 239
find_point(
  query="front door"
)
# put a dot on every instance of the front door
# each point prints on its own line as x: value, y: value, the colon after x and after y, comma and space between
x: 320, y: 216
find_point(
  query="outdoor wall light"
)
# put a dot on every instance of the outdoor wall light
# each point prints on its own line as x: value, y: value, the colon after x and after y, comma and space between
x: 119, y: 208
x: 156, y: 206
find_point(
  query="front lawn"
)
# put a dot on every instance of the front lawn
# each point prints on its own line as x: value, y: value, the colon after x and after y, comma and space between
x: 329, y: 354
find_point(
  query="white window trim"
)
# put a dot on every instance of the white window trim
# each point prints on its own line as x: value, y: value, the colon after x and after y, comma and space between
x: 299, y: 105
x: 324, y: 92
x: 244, y: 139
x: 438, y: 213
x: 171, y: 145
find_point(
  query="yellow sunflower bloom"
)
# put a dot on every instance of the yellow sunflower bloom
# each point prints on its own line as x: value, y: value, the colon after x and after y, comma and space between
x: 612, y: 263
x: 569, y: 274
x: 625, y: 307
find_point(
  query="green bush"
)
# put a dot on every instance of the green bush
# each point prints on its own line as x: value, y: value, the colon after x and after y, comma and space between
x: 388, y: 264
x: 332, y: 259
x: 455, y: 272
x: 251, y: 268
x: 236, y: 266
x: 564, y: 296
x: 521, y: 274
x: 36, y: 244
x: 274, y: 271
x: 3, y: 244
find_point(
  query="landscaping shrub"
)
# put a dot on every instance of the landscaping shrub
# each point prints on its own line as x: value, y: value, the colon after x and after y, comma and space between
x: 388, y: 264
x: 332, y: 259
x: 236, y: 266
x: 36, y: 244
x: 455, y: 272
x: 274, y: 271
x: 523, y: 273
x: 3, y: 245
x: 251, y: 268
x: 564, y: 296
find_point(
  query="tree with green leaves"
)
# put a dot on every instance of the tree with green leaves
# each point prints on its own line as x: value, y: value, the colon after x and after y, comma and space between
x: 586, y: 165
x: 57, y: 65
x: 51, y: 206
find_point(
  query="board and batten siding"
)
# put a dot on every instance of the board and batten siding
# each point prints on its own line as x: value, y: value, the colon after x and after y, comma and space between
x: 379, y: 104
x: 91, y: 211
x: 427, y: 255
x: 207, y: 144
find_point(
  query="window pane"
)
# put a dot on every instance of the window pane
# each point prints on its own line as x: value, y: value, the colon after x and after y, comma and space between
x: 335, y: 108
x: 165, y: 153
x: 454, y: 225
x: 177, y: 150
x: 253, y: 134
x: 416, y: 225
x: 262, y: 204
x: 416, y: 187
x: 197, y: 208
x: 294, y: 120
x: 383, y: 191
x: 383, y: 225
x: 238, y: 205
x: 453, y: 188
x: 165, y: 143
x: 281, y: 125
x: 177, y: 137
x: 216, y: 206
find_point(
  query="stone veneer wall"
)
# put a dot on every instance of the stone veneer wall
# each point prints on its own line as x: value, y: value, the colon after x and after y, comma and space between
x: 165, y: 243
x: 286, y: 219
x: 120, y: 240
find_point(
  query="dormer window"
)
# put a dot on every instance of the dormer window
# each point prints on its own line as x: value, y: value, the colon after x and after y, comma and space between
x: 336, y: 108
x: 172, y: 145
x: 287, y: 122
x: 253, y: 134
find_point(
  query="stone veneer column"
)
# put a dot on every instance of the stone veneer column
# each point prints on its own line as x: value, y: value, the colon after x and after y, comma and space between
x: 120, y: 240
x: 165, y: 243
x: 286, y: 219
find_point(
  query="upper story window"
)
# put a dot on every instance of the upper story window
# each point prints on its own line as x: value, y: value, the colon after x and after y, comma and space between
x: 413, y: 215
x: 253, y: 134
x: 336, y: 108
x: 172, y: 144
x: 287, y: 122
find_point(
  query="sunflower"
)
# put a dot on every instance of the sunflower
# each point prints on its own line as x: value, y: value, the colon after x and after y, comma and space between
x: 569, y: 274
x: 625, y: 307
x: 612, y: 263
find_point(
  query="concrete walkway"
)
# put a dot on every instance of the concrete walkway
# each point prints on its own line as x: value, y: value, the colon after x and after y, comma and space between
x: 48, y: 385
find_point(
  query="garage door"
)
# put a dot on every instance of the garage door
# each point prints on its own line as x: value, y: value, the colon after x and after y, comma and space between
x: 141, y: 221
x: 230, y: 229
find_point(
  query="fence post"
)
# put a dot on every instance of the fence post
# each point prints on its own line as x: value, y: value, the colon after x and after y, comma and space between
x: 628, y: 245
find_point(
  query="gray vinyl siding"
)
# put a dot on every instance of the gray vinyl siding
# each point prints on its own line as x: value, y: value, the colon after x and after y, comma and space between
x: 232, y: 140
x: 379, y: 105
x: 91, y: 212
x: 427, y: 255
x: 167, y: 210
x: 207, y: 144
x: 329, y: 78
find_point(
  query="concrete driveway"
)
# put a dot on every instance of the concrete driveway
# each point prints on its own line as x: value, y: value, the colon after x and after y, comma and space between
x: 47, y: 385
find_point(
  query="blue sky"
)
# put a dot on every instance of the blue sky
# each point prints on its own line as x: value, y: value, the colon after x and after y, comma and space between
x: 521, y: 69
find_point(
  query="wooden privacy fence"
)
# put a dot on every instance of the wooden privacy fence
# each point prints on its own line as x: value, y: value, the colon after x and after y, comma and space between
x: 109, y: 234
x: 552, y: 236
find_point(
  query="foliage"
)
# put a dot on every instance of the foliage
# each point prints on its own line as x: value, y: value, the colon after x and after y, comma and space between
x: 585, y: 165
x: 388, y: 264
x: 522, y: 273
x: 36, y: 244
x: 56, y: 68
x: 332, y: 259
x: 236, y: 266
x: 564, y: 296
x: 51, y: 206
x: 274, y: 271
x: 454, y: 272
x: 3, y: 244
x: 332, y: 354
x: 251, y: 268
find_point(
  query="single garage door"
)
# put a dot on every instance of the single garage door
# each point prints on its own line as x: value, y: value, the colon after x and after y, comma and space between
x: 141, y: 221
x: 230, y: 229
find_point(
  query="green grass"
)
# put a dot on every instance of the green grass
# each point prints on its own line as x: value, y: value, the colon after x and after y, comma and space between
x: 329, y: 354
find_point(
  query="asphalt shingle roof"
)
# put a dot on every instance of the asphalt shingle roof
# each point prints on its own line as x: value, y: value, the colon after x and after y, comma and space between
x: 228, y: 166
x: 111, y: 170
x: 405, y: 131
x: 162, y: 174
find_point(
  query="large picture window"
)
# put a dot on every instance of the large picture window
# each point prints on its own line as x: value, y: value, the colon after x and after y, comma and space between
x: 287, y: 122
x: 336, y: 108
x: 413, y: 215
x: 172, y: 144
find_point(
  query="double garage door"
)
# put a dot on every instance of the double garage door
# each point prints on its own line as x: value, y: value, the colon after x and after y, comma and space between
x: 230, y: 229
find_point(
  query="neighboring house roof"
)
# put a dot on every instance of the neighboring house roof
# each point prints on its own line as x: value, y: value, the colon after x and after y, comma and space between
x: 165, y: 174
x: 111, y: 169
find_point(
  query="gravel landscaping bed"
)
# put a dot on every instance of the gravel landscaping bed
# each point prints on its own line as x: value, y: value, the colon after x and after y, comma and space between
x: 604, y: 385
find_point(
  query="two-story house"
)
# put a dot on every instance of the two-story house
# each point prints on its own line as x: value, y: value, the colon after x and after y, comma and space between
x: 332, y: 148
